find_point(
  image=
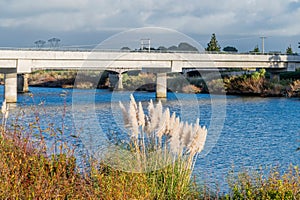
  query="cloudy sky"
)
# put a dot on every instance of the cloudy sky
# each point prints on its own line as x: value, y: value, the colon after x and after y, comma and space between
x: 237, y: 23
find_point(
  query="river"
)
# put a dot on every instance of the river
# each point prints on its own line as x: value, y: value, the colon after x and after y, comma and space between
x: 256, y: 132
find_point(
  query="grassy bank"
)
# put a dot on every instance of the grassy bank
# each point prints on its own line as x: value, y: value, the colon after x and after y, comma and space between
x: 255, y: 84
x: 29, y: 169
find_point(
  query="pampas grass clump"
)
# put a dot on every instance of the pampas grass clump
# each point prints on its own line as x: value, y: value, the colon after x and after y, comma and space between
x: 165, y: 148
x: 159, y: 130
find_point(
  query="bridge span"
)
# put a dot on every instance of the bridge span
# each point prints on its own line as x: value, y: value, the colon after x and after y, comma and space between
x: 24, y: 61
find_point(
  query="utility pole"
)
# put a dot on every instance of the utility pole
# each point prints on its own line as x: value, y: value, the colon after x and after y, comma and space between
x: 263, y: 43
x: 145, y: 43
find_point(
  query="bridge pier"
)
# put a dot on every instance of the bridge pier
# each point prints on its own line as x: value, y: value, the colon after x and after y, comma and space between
x: 275, y: 76
x: 116, y: 81
x: 10, y: 87
x: 161, y: 85
x: 22, y: 84
x: 120, y: 81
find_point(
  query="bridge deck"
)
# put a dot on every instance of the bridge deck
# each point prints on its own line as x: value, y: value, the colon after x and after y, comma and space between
x: 26, y: 61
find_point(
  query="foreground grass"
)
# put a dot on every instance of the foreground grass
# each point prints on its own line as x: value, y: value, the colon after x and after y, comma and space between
x: 29, y: 169
x: 27, y: 173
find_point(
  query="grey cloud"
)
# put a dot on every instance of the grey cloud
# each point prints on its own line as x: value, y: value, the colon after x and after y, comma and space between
x: 252, y: 17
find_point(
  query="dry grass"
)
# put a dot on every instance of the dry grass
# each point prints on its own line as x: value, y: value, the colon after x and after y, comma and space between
x: 164, y: 150
x: 31, y: 170
x: 294, y: 89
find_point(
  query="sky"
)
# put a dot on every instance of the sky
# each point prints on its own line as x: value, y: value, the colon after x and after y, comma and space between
x: 238, y: 23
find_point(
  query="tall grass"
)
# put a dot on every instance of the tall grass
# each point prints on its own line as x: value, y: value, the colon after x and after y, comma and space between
x: 163, y: 147
x: 161, y: 132
x: 162, y: 165
x: 162, y: 152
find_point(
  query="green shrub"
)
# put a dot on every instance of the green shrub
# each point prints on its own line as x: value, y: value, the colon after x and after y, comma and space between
x: 135, y: 82
x: 216, y: 86
x: 258, y: 185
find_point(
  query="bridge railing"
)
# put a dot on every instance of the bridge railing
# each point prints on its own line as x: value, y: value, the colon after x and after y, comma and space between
x: 140, y: 51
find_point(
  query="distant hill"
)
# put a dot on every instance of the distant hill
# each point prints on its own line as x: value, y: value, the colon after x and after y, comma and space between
x: 183, y: 46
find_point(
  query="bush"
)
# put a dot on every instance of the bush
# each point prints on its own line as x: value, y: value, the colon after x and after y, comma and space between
x: 216, y: 86
x: 257, y: 185
x: 191, y: 89
x: 136, y: 82
x: 177, y: 83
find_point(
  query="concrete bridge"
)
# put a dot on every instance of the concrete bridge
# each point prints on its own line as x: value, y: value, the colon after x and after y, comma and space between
x: 14, y: 63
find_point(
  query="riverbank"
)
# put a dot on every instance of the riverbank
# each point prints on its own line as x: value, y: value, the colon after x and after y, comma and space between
x: 254, y: 84
x: 66, y: 79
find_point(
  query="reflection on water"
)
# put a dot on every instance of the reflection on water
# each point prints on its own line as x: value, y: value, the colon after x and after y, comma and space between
x: 257, y: 131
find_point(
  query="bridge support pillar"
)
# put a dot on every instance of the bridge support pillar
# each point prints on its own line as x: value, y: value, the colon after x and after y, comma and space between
x: 120, y: 83
x: 161, y: 85
x: 10, y: 88
x: 275, y: 76
x: 115, y: 81
x: 22, y: 84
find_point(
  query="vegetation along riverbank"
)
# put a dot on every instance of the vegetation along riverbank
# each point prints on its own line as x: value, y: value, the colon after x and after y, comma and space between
x: 253, y: 83
x: 31, y: 167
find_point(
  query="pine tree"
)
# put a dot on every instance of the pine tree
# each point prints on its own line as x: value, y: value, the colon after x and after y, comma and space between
x: 213, y: 44
x: 289, y: 50
x: 256, y: 49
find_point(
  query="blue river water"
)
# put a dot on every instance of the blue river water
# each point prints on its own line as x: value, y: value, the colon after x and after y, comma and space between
x: 252, y: 132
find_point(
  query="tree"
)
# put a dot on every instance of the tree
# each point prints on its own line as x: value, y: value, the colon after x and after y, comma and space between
x: 230, y: 49
x: 213, y: 44
x: 125, y: 49
x: 256, y: 49
x: 54, y: 42
x: 289, y: 50
x: 162, y: 48
x: 39, y: 43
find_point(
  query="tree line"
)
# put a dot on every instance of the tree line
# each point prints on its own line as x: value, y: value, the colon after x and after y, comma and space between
x: 214, y: 46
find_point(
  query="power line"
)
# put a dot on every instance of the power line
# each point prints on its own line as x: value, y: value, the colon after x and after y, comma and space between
x: 233, y: 39
x: 81, y: 45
